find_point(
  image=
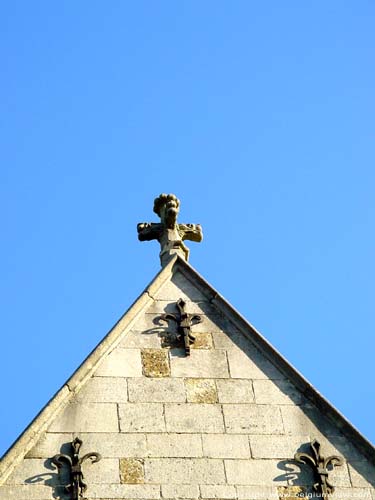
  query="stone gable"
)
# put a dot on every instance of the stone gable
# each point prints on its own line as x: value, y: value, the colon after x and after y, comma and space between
x: 221, y: 423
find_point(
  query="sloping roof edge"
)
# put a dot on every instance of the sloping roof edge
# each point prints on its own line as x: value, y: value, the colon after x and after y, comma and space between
x: 283, y: 365
x: 28, y: 438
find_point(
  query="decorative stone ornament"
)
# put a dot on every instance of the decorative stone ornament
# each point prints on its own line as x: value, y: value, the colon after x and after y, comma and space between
x: 169, y: 234
x: 319, y: 466
x: 184, y: 322
x: 76, y: 487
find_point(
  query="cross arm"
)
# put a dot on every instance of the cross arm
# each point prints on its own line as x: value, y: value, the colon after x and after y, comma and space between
x: 148, y: 231
x: 192, y: 232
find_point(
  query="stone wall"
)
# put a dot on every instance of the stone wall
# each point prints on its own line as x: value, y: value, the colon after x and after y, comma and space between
x: 222, y: 423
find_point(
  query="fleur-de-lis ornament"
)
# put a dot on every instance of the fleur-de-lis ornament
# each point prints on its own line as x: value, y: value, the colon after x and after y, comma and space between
x: 319, y: 466
x: 77, y: 486
x: 184, y: 322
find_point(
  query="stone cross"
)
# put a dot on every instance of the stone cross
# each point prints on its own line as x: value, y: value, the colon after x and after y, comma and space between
x: 169, y: 234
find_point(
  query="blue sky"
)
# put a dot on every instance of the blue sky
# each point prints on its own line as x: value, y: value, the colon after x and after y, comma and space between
x: 259, y: 116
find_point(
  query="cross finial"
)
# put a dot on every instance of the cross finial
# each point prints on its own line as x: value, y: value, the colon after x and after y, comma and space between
x: 168, y: 232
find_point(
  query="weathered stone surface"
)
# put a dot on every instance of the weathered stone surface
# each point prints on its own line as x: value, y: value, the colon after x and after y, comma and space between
x: 200, y: 364
x: 254, y: 472
x: 106, y: 471
x: 184, y: 471
x: 124, y: 491
x: 49, y: 445
x: 276, y: 446
x: 276, y: 392
x: 351, y: 494
x: 156, y: 390
x: 194, y: 307
x: 114, y: 445
x: 173, y: 492
x: 291, y: 492
x: 194, y: 418
x: 31, y: 468
x: 25, y: 492
x: 256, y: 493
x: 121, y: 363
x: 201, y: 390
x: 155, y: 363
x: 251, y: 365
x: 235, y: 391
x: 252, y: 419
x: 302, y: 420
x: 87, y: 417
x: 181, y: 288
x: 131, y: 471
x: 141, y: 339
x: 141, y: 417
x: 174, y: 445
x: 202, y: 341
x: 225, y: 446
x: 222, y: 491
x: 103, y: 390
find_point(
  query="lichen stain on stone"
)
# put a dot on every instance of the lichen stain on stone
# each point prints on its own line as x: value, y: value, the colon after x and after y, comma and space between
x: 291, y: 492
x: 200, y: 390
x: 155, y: 363
x: 202, y: 341
x: 131, y: 471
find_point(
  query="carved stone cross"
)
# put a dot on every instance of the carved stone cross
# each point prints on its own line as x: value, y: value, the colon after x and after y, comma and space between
x: 169, y: 234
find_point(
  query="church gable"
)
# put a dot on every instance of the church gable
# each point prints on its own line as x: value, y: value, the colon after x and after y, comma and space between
x: 219, y: 418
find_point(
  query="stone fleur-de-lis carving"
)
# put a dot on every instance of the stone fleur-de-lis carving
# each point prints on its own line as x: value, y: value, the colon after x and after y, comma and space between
x: 319, y: 466
x: 170, y: 235
x: 184, y: 322
x: 76, y: 487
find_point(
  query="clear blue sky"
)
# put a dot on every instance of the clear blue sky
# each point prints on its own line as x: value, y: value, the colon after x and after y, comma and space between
x: 258, y: 115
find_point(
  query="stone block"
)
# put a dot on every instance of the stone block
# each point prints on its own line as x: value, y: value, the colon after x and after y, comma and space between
x: 194, y: 418
x: 156, y: 390
x: 124, y: 491
x: 253, y: 472
x: 174, y: 445
x: 193, y: 307
x: 132, y: 471
x: 25, y: 492
x: 141, y: 339
x: 49, y: 445
x: 180, y: 287
x: 291, y: 492
x: 257, y: 493
x: 251, y: 364
x: 114, y: 445
x: 306, y: 420
x: 173, y: 491
x: 103, y: 390
x: 87, y: 417
x: 276, y: 446
x: 200, y: 390
x: 31, y: 468
x: 141, y: 417
x: 200, y: 364
x: 222, y: 491
x: 202, y: 341
x: 235, y: 391
x: 225, y: 446
x: 106, y: 471
x: 121, y: 363
x: 276, y: 392
x: 252, y: 419
x: 351, y: 494
x: 155, y: 363
x: 184, y: 471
